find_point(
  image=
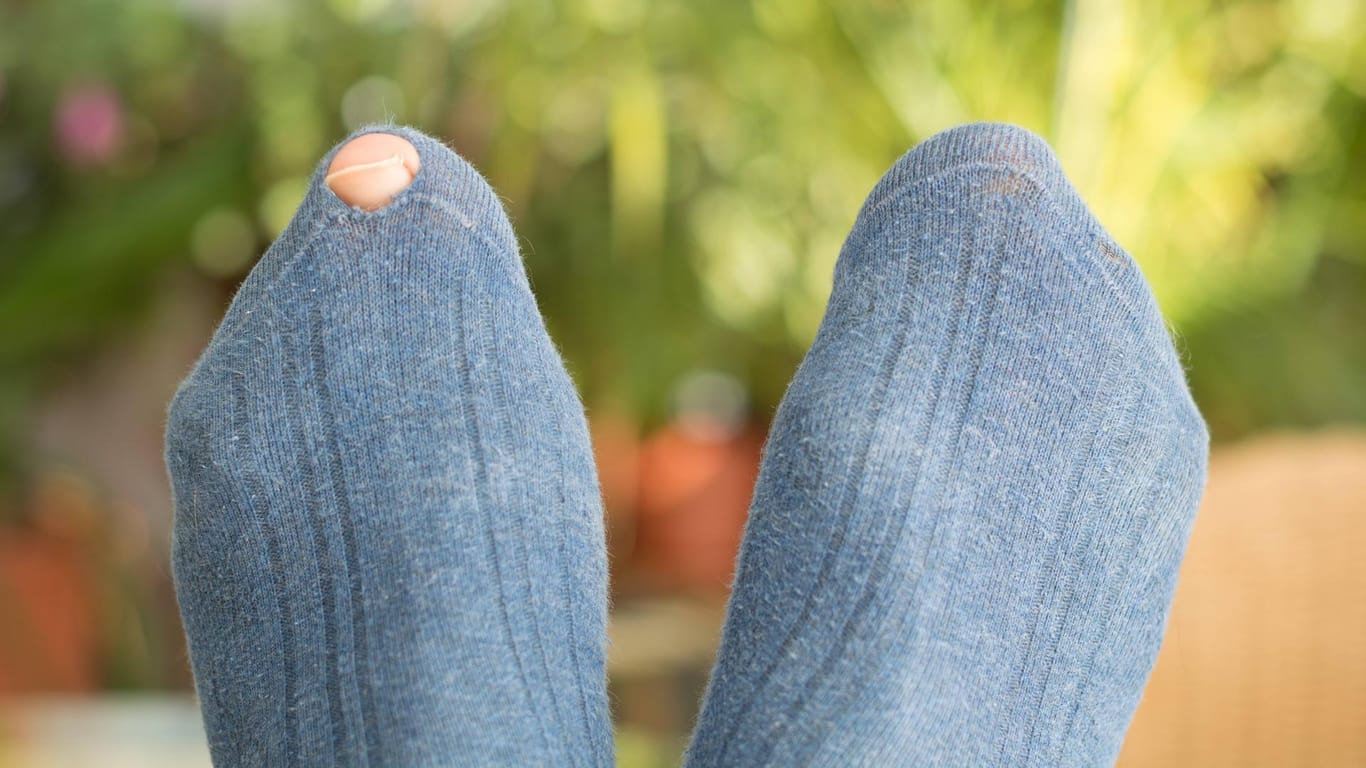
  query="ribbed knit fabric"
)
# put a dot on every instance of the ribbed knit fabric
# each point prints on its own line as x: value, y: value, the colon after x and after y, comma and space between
x: 977, y: 491
x: 388, y: 544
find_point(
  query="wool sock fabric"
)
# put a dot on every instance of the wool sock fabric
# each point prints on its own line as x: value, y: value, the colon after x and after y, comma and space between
x: 976, y: 493
x: 388, y: 545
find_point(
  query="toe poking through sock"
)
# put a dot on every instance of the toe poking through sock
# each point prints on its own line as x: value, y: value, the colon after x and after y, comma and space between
x: 371, y: 169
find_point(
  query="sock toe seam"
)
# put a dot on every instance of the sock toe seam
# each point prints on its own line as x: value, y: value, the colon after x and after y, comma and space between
x: 1094, y: 240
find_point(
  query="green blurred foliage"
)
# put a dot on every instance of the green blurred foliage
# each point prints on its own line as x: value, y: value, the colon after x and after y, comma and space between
x: 682, y: 173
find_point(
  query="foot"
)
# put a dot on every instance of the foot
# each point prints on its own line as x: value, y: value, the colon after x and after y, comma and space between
x: 976, y: 493
x: 388, y: 544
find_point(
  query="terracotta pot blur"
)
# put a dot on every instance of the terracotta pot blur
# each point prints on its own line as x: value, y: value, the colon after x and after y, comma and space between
x: 694, y: 493
x: 49, y: 639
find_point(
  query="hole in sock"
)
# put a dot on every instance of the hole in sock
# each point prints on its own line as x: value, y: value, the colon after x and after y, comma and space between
x: 371, y: 169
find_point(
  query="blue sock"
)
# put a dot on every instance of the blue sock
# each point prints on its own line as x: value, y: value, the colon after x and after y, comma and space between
x: 976, y: 493
x: 388, y: 544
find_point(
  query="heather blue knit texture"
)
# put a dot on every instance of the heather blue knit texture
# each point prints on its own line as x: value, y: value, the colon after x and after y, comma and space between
x: 388, y: 545
x: 977, y: 491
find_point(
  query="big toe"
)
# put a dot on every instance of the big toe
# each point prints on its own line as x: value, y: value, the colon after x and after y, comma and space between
x: 371, y: 169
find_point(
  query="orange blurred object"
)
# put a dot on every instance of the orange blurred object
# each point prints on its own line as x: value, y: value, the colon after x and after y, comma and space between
x: 694, y: 493
x: 49, y: 635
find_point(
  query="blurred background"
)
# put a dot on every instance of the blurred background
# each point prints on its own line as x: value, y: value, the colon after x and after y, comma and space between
x: 681, y: 174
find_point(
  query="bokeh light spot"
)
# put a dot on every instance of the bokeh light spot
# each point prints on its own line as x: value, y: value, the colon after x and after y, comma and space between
x: 374, y: 99
x: 223, y: 243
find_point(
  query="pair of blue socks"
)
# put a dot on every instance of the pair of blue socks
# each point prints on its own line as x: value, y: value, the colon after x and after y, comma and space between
x: 388, y: 545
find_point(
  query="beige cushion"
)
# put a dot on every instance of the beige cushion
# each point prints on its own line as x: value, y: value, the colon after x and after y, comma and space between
x: 1264, y: 662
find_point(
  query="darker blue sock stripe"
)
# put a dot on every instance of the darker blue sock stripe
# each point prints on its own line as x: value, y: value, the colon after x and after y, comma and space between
x: 856, y: 618
x: 269, y: 533
x: 1133, y: 550
x: 1084, y: 461
x: 485, y: 506
x: 369, y: 730
x: 503, y: 427
x: 318, y: 543
x: 887, y: 367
